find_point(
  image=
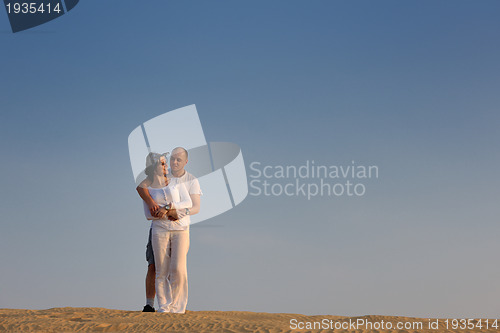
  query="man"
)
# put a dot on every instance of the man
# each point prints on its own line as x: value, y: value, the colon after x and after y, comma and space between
x: 178, y: 161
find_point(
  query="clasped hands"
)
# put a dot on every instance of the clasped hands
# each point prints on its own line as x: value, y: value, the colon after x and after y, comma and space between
x: 162, y: 212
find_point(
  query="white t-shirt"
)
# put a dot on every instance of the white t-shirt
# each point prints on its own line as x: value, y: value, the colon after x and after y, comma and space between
x: 188, y: 182
x: 175, y: 193
x: 192, y: 185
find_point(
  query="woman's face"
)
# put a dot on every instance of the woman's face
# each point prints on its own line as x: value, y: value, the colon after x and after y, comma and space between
x: 162, y: 166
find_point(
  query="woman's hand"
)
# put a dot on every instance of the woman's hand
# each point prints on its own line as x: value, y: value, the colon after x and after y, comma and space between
x: 172, y: 215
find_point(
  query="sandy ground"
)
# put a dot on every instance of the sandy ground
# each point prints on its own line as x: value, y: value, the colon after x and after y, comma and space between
x: 105, y: 320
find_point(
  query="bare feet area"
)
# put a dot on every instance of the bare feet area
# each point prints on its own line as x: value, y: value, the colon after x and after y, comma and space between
x: 105, y: 320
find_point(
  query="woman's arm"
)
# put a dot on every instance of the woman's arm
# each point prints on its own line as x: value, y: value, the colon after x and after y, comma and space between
x: 183, y: 208
x: 185, y: 198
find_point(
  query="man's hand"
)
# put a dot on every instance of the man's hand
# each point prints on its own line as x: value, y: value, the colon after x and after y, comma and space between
x: 142, y: 189
x: 161, y: 213
x: 172, y: 215
x: 153, y: 209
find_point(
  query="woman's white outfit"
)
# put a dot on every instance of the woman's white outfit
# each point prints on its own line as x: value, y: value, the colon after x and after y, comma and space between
x: 170, y: 240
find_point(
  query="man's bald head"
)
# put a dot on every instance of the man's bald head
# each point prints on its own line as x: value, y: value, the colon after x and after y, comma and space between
x: 179, y: 150
x: 178, y: 161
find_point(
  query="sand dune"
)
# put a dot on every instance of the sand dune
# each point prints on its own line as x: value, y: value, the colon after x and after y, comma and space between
x: 105, y: 320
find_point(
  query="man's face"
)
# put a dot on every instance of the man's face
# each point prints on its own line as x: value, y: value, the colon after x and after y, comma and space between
x: 178, y: 161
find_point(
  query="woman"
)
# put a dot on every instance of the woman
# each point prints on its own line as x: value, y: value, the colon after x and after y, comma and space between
x: 170, y: 236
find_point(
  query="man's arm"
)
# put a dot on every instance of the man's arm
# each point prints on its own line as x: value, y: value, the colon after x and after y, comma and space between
x: 142, y: 189
x: 195, y: 209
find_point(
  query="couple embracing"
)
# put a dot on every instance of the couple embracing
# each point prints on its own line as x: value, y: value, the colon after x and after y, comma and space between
x: 170, y: 197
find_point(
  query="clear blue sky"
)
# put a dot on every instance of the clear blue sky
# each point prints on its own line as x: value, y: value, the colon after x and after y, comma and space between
x: 409, y: 86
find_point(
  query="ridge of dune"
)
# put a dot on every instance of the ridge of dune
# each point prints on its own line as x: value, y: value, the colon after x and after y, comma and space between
x: 70, y: 319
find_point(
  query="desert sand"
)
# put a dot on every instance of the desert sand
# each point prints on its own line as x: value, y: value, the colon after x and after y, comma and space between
x: 105, y: 320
